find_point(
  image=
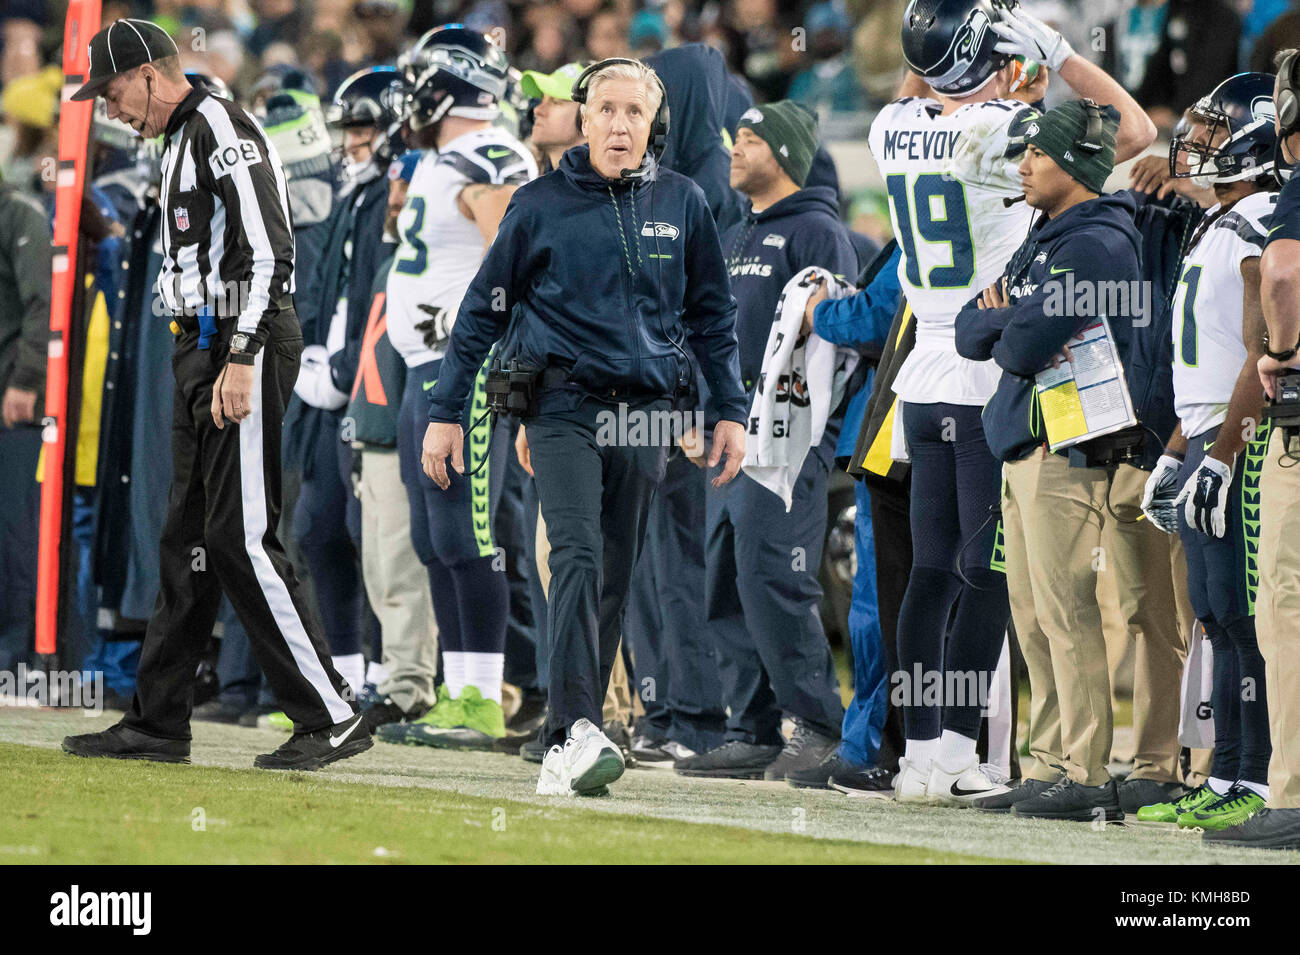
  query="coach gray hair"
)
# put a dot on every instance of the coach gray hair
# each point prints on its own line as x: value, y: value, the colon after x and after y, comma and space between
x: 635, y: 71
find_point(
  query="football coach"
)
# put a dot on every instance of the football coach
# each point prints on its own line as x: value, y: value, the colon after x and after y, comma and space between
x: 609, y: 264
x: 226, y: 280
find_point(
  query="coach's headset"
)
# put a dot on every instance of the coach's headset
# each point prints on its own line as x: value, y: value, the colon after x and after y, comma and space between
x: 658, y: 126
x: 1287, y: 104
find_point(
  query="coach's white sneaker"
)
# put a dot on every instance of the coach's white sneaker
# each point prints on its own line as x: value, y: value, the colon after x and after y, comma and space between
x: 584, y: 766
x: 967, y: 784
x: 910, y: 783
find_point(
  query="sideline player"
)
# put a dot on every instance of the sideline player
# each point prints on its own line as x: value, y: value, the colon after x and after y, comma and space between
x: 1217, y: 450
x: 945, y: 150
x: 456, y: 199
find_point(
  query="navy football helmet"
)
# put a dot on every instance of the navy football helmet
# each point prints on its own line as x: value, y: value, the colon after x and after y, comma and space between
x: 369, y: 99
x: 950, y: 43
x: 453, y: 71
x: 1240, y: 110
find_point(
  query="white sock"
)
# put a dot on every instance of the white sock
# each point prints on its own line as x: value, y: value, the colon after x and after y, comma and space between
x: 955, y: 751
x: 485, y: 671
x: 454, y: 671
x: 376, y: 672
x: 1220, y: 786
x: 352, y: 667
x: 919, y: 753
x: 1259, y: 789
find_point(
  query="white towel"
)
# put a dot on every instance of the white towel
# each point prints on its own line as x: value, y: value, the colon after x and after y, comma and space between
x: 809, y: 377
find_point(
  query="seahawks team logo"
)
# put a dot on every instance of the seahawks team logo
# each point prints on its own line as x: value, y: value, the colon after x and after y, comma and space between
x: 1263, y: 108
x: 660, y: 230
x: 967, y: 43
x: 774, y: 240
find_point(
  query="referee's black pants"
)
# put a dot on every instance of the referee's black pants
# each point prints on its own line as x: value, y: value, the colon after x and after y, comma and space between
x: 220, y: 536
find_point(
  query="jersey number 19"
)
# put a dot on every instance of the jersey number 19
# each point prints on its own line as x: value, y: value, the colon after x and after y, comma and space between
x: 950, y: 226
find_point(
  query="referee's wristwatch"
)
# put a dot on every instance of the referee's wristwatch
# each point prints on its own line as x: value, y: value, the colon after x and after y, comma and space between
x: 1281, y: 355
x: 239, y: 353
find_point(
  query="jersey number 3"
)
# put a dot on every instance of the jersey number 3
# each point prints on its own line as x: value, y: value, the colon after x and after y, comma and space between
x: 418, y: 262
x: 951, y: 226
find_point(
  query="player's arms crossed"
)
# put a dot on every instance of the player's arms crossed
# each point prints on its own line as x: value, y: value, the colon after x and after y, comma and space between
x: 484, y: 203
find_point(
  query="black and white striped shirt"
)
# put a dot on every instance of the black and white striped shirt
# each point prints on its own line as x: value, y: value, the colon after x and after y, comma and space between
x: 226, y: 229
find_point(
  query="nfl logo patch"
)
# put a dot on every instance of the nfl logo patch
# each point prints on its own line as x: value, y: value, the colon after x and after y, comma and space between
x: 182, y: 218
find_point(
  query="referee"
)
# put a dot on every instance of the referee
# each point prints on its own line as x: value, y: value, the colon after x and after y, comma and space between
x: 226, y: 278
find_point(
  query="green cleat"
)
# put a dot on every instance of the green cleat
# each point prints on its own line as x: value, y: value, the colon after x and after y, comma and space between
x: 444, y: 714
x: 479, y: 724
x: 275, y: 721
x: 1231, y: 810
x: 1196, y: 798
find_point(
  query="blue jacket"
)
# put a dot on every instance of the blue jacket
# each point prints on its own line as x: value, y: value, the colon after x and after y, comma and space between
x: 863, y: 318
x: 1097, y: 241
x: 699, y: 88
x: 765, y: 250
x: 610, y: 278
x: 1165, y: 225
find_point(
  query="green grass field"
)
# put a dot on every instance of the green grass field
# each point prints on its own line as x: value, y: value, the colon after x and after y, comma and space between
x: 118, y: 812
x: 412, y: 804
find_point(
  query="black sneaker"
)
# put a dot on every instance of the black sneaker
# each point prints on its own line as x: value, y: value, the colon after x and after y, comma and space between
x: 659, y: 753
x: 1003, y: 802
x: 1136, y: 793
x: 533, y: 751
x: 818, y: 776
x: 1066, y: 799
x: 307, y: 752
x: 528, y: 719
x: 805, y: 749
x: 121, y: 742
x: 733, y: 760
x: 1267, y: 829
x: 856, y: 782
x: 386, y: 711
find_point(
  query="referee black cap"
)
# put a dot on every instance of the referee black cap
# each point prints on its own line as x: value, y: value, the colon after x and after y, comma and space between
x: 119, y: 48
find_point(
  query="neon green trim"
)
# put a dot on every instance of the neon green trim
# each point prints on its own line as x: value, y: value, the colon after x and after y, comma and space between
x: 480, y: 442
x: 998, y: 561
x: 1252, y: 467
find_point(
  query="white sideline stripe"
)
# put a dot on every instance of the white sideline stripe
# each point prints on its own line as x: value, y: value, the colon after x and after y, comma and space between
x: 253, y: 492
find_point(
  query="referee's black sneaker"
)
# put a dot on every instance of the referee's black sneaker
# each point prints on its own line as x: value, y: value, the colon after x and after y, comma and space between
x: 122, y: 742
x: 1067, y: 799
x: 307, y: 752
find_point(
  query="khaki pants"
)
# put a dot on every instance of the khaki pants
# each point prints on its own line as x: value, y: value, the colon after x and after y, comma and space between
x: 1277, y: 617
x: 1052, y: 518
x: 396, y: 583
x: 1136, y: 590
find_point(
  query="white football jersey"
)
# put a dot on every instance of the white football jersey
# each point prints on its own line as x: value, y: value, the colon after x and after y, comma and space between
x: 947, y: 177
x: 1207, y: 312
x: 440, y: 249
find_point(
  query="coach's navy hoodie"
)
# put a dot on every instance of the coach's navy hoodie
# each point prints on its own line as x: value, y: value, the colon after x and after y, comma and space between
x: 1095, y: 240
x: 608, y: 279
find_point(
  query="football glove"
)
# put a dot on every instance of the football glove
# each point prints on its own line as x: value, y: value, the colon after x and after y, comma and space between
x: 435, y: 329
x: 1025, y: 35
x: 1205, y: 497
x: 1160, y: 494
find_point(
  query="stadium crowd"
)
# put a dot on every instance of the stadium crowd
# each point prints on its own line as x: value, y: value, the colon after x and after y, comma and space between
x: 906, y: 329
